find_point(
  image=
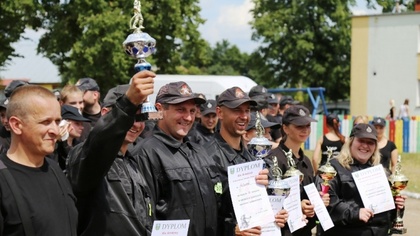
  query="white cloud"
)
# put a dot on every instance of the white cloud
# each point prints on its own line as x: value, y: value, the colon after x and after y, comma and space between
x: 236, y: 16
x: 228, y: 20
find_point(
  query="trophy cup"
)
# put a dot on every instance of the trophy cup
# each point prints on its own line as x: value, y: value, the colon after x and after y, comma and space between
x: 398, y: 182
x: 140, y: 45
x: 276, y: 186
x: 327, y: 172
x: 292, y: 171
x: 259, y: 146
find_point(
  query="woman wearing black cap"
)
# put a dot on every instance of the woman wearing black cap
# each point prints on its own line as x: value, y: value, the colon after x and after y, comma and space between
x: 387, y: 148
x: 332, y: 139
x: 296, y: 129
x: 349, y: 215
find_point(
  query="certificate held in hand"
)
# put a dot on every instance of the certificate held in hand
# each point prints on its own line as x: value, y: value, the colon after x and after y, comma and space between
x: 250, y: 200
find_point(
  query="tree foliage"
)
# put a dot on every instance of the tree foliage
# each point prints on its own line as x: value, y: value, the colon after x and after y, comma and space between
x: 304, y: 42
x: 391, y: 5
x: 85, y: 37
x: 227, y: 59
x: 15, y: 16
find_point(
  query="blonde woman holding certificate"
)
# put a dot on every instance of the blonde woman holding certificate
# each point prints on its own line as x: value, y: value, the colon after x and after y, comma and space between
x: 346, y: 208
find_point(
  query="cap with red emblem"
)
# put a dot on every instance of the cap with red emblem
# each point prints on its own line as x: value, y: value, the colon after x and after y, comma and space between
x: 234, y: 97
x: 177, y: 92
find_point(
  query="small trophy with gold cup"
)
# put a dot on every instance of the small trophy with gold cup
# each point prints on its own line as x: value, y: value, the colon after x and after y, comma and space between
x: 327, y: 172
x: 292, y: 170
x: 398, y: 183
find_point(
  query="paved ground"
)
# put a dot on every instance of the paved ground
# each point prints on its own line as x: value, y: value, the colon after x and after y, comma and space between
x: 412, y: 217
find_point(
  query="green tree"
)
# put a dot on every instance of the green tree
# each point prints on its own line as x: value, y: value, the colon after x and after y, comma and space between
x: 85, y: 37
x: 15, y: 17
x: 227, y: 59
x: 223, y: 59
x: 304, y: 42
x: 390, y: 5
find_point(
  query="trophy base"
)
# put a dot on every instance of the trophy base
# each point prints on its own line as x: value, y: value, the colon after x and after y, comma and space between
x: 398, y: 231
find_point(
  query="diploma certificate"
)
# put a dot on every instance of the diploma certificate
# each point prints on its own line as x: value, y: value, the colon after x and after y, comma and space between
x: 170, y: 227
x: 272, y: 229
x: 320, y: 209
x: 374, y: 189
x: 293, y: 206
x: 250, y: 200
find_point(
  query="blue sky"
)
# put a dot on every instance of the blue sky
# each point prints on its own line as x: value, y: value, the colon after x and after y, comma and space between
x: 226, y: 19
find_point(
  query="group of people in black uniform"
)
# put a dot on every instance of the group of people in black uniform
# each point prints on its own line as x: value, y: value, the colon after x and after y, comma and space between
x: 130, y: 171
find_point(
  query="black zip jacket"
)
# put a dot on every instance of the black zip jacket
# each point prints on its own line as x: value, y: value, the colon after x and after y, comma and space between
x: 345, y: 204
x: 182, y: 181
x: 113, y: 198
x: 200, y: 134
x: 224, y: 155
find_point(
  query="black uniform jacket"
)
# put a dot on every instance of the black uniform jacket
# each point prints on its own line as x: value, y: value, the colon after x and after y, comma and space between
x: 113, y: 198
x: 225, y: 156
x: 200, y: 134
x: 182, y: 181
x: 345, y: 204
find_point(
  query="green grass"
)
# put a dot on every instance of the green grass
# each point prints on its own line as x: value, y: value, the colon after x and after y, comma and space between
x: 410, y: 167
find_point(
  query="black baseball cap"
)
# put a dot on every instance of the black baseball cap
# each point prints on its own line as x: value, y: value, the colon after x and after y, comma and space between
x: 72, y: 113
x: 208, y: 107
x: 87, y: 84
x: 116, y: 92
x: 234, y: 97
x: 297, y: 115
x: 331, y: 117
x: 261, y: 101
x: 271, y: 98
x: 284, y: 100
x: 3, y: 103
x: 264, y: 122
x: 12, y: 86
x: 257, y: 90
x: 364, y: 131
x: 177, y: 92
x: 113, y: 94
x: 379, y: 121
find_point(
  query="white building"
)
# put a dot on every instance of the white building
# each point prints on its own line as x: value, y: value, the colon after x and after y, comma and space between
x: 385, y: 63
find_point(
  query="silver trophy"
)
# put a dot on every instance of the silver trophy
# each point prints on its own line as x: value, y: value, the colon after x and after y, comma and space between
x: 398, y: 183
x: 327, y: 172
x: 277, y: 186
x: 140, y: 45
x: 292, y: 170
x: 259, y: 146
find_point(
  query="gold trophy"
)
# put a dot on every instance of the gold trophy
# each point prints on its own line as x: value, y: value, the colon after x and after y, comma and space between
x: 292, y: 171
x: 398, y: 182
x: 327, y: 172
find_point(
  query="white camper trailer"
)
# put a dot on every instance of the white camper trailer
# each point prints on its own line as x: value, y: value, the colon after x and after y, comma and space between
x: 209, y: 85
